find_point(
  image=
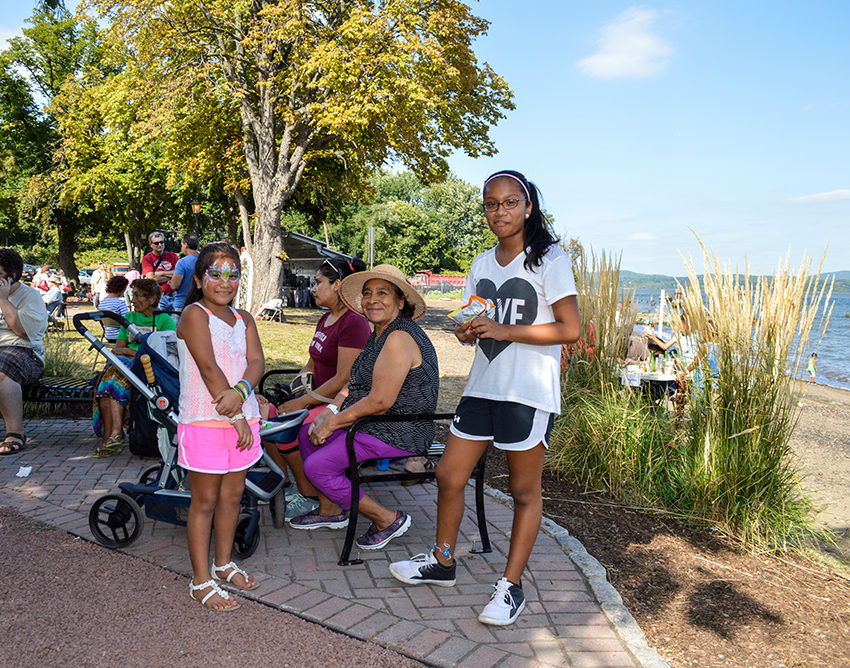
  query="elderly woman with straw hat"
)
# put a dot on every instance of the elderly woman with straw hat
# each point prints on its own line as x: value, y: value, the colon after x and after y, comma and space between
x: 396, y: 374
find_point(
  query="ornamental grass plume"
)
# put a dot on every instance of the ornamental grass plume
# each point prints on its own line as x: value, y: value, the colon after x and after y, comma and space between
x: 726, y: 462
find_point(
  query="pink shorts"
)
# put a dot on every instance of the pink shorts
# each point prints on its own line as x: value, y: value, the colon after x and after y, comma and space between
x: 213, y: 449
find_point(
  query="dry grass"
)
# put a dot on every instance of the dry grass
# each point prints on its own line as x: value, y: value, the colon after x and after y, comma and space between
x: 726, y: 461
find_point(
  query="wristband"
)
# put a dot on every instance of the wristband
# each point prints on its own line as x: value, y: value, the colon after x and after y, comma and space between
x: 243, y: 389
x: 333, y: 409
x: 236, y: 418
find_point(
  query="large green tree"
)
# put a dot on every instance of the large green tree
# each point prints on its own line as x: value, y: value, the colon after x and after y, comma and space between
x: 55, y: 48
x: 440, y: 226
x: 344, y: 85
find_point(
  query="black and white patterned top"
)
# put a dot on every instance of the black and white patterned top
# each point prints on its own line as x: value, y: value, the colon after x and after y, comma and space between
x: 418, y: 393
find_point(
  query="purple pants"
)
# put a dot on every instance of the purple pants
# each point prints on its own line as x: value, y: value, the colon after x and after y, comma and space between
x: 324, y: 465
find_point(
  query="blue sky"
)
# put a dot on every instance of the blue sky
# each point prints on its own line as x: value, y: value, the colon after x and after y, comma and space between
x: 639, y: 122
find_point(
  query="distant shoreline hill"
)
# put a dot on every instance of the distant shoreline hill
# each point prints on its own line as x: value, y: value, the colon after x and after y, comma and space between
x: 630, y: 279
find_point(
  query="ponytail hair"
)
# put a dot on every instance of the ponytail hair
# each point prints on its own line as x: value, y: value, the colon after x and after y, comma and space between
x: 537, y: 233
x: 338, y: 268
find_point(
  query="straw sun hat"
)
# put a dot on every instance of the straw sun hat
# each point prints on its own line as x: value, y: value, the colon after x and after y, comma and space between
x: 55, y: 279
x: 352, y: 287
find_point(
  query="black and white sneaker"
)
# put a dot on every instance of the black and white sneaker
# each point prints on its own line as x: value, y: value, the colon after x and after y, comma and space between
x: 424, y: 569
x: 505, y: 604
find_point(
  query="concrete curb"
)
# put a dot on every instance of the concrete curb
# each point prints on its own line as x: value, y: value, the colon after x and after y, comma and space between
x: 597, y: 577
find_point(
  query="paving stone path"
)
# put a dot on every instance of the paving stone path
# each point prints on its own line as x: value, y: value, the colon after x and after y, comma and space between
x: 573, y: 617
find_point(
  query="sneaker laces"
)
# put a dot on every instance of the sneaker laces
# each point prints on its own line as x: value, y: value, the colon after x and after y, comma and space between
x: 424, y: 558
x: 503, y: 588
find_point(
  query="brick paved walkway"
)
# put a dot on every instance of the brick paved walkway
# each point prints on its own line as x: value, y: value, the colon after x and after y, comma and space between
x: 573, y: 616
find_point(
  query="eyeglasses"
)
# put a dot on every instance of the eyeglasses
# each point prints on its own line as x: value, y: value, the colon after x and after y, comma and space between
x: 157, y: 243
x: 508, y: 204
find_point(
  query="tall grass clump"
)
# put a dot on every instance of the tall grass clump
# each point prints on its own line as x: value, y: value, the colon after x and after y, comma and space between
x: 734, y: 457
x: 725, y: 459
x: 607, y: 436
x: 67, y: 355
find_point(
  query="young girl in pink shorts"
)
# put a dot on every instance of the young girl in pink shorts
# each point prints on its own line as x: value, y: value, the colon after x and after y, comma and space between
x: 221, y: 360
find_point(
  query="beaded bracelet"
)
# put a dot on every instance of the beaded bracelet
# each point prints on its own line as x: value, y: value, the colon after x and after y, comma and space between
x: 237, y: 417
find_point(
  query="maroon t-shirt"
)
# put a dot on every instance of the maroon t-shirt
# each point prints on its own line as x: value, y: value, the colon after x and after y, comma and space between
x: 169, y: 261
x: 351, y: 330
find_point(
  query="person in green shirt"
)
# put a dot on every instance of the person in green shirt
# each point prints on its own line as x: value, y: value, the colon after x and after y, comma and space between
x: 113, y: 389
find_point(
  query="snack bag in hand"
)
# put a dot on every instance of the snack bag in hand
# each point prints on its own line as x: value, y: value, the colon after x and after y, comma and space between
x: 476, y: 306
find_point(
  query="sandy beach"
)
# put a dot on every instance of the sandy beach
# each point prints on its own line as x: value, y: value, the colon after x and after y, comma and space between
x: 821, y: 441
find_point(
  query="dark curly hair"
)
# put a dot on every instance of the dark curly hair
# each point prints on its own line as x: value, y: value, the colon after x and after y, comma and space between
x: 117, y: 285
x: 12, y: 263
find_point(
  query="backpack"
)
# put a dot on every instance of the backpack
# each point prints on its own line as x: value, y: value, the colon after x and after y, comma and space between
x: 142, y: 432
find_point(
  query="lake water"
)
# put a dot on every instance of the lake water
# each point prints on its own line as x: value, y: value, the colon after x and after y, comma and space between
x: 833, y: 349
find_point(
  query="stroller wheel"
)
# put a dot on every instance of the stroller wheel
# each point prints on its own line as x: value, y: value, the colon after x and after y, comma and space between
x: 244, y: 546
x: 277, y: 507
x: 150, y: 475
x: 116, y: 520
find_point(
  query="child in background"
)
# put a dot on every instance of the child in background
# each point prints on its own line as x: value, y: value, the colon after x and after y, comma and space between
x: 114, y: 301
x: 221, y: 360
x: 513, y: 392
x: 813, y: 367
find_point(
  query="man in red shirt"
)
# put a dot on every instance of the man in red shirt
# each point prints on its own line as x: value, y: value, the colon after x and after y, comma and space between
x: 158, y: 265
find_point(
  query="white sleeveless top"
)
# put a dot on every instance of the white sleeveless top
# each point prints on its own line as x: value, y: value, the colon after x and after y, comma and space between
x: 231, y: 354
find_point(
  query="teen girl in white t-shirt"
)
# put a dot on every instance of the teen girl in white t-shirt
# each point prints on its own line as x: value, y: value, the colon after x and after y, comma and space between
x: 513, y: 390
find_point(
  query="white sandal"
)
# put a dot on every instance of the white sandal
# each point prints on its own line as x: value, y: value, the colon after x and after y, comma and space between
x: 214, y: 589
x: 215, y: 569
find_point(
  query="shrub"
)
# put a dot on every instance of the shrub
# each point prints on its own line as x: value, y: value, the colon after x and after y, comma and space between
x: 726, y: 461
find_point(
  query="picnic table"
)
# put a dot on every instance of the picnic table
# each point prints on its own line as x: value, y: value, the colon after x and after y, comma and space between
x: 657, y: 384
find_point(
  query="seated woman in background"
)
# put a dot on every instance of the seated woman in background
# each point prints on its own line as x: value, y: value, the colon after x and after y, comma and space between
x: 396, y: 374
x: 339, y: 338
x: 113, y: 389
x: 114, y: 301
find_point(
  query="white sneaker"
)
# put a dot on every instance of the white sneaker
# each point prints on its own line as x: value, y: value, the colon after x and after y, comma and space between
x: 298, y: 505
x: 505, y: 604
x: 424, y: 569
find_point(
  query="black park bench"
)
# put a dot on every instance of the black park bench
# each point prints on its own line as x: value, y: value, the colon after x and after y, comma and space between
x: 61, y: 390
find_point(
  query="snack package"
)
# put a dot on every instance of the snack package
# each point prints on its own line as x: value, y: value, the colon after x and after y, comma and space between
x: 476, y: 306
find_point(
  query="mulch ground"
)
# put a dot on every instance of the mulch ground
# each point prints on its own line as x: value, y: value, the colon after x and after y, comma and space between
x: 699, y: 600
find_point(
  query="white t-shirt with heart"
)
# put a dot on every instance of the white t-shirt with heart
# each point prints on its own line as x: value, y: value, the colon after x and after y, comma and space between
x: 519, y: 372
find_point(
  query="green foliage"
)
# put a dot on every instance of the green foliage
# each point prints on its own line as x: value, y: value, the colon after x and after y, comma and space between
x: 439, y: 227
x: 67, y: 355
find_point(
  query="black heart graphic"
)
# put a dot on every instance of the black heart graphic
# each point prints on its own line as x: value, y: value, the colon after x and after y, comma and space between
x: 516, y: 304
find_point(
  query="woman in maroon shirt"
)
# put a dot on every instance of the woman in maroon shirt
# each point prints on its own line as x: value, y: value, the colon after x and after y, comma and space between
x: 339, y: 338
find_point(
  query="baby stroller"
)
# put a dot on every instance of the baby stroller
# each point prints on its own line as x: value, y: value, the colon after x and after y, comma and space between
x: 116, y: 519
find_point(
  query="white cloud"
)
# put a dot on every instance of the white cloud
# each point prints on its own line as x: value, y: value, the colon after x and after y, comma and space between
x: 820, y: 198
x: 628, y: 48
x: 641, y: 236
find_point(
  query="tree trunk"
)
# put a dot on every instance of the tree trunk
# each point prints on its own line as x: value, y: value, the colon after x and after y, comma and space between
x: 66, y: 231
x: 267, y: 248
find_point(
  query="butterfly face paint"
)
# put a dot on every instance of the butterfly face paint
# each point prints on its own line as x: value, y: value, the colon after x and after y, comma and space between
x: 223, y: 272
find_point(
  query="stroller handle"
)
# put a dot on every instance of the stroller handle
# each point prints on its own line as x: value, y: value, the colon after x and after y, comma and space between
x: 146, y: 365
x: 98, y: 316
